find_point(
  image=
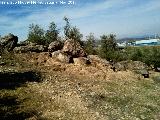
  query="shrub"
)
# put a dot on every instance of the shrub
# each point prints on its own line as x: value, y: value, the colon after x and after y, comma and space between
x: 36, y: 34
x: 108, y: 46
x: 72, y: 32
x: 51, y: 34
x: 89, y: 45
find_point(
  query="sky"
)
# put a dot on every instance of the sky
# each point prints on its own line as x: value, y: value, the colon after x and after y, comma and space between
x: 125, y: 18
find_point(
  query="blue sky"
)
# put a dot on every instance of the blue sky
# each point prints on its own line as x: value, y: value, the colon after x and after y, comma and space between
x: 125, y: 18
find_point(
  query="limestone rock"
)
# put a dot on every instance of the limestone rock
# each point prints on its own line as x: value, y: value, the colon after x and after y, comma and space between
x: 8, y: 42
x: 81, y: 61
x: 56, y: 53
x: 30, y: 48
x: 65, y: 58
x: 54, y: 46
x: 73, y: 48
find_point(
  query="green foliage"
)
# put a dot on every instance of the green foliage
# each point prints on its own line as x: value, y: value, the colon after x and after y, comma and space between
x: 149, y: 54
x: 36, y: 34
x: 108, y: 46
x: 90, y: 44
x: 67, y: 27
x: 72, y: 32
x: 51, y: 34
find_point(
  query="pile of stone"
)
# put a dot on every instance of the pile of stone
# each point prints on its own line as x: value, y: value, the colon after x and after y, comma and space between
x: 71, y: 52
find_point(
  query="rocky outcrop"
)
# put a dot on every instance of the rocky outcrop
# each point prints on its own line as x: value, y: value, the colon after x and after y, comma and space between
x: 30, y: 48
x: 129, y: 65
x: 73, y: 48
x: 8, y: 42
x: 54, y: 46
x: 136, y: 65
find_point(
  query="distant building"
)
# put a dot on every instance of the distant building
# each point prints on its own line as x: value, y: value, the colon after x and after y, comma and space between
x: 150, y: 42
x: 121, y: 44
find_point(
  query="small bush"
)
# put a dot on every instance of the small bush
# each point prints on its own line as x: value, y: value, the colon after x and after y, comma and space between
x: 36, y: 34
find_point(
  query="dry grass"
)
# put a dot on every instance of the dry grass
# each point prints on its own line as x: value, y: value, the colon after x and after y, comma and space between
x: 85, y: 93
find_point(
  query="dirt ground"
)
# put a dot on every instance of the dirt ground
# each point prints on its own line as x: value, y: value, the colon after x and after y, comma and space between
x: 71, y: 92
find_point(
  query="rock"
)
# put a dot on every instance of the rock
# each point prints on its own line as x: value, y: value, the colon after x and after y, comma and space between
x: 136, y: 65
x: 54, y: 46
x: 30, y: 48
x: 119, y: 67
x: 73, y: 48
x: 144, y: 73
x: 2, y: 63
x: 81, y: 61
x: 65, y: 58
x: 25, y: 43
x: 56, y: 53
x: 21, y: 49
x: 129, y: 65
x: 32, y: 44
x: 96, y: 59
x: 157, y: 69
x: 9, y: 42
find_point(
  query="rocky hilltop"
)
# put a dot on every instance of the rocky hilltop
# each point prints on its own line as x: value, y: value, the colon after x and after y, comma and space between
x: 61, y: 81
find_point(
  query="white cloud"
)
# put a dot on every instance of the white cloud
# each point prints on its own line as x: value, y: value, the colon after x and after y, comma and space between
x: 80, y: 15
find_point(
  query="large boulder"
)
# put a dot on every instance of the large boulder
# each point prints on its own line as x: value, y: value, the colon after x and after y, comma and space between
x: 8, y: 42
x: 73, y: 48
x: 65, y: 58
x: 55, y: 54
x: 54, y: 46
x: 119, y: 66
x: 97, y: 59
x: 98, y: 62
